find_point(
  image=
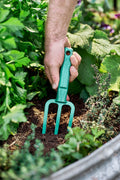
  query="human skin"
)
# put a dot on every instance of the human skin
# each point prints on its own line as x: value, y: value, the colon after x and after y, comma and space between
x: 58, y: 19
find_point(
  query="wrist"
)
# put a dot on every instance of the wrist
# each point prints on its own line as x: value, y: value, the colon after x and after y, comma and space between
x: 51, y: 44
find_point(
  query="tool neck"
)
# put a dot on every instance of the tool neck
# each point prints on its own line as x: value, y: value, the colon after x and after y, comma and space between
x: 61, y: 94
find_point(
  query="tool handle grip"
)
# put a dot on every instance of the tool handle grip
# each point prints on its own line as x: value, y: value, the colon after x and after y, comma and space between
x: 64, y: 76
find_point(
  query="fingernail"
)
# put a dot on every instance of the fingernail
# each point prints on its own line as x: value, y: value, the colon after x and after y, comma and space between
x: 54, y: 86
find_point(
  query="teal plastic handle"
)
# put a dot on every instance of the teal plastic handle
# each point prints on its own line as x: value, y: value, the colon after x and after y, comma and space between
x: 64, y: 76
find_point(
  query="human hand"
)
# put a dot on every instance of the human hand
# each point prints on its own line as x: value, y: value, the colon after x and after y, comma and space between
x: 53, y: 60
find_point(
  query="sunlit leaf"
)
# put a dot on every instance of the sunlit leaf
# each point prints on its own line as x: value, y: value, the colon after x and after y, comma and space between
x: 13, y: 24
x: 111, y: 64
x: 3, y: 14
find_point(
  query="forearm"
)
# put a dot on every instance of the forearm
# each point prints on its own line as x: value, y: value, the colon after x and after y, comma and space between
x: 58, y: 19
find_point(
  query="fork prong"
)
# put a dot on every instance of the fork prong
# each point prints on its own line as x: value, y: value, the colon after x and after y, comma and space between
x: 71, y: 113
x: 58, y: 118
x: 46, y: 114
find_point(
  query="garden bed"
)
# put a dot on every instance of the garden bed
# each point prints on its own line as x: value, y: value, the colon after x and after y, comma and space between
x: 102, y: 164
x: 35, y: 115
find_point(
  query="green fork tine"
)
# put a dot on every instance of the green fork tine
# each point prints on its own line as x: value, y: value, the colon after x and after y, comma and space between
x: 61, y: 94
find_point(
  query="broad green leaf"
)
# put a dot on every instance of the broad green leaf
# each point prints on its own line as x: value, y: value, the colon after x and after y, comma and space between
x: 4, y: 130
x: 11, y: 67
x: 9, y: 43
x: 100, y: 35
x: 13, y: 24
x: 5, y: 105
x: 20, y: 75
x: 86, y: 72
x: 116, y: 47
x: 40, y: 25
x: 8, y: 73
x: 3, y: 14
x: 111, y: 64
x: 73, y: 142
x: 22, y: 62
x: 15, y: 115
x: 77, y: 155
x: 23, y: 14
x: 17, y: 57
x: 75, y: 87
x: 84, y: 94
x: 82, y: 37
x: 19, y: 95
x: 4, y: 32
x: 14, y: 55
x: 100, y: 45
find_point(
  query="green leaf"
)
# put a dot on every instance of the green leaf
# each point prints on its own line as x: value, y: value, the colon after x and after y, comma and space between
x: 9, y: 43
x: 77, y: 155
x: 86, y: 72
x: 92, y: 89
x: 14, y: 55
x: 2, y: 79
x: 17, y: 57
x: 97, y: 133
x: 13, y: 24
x: 100, y: 45
x: 22, y: 62
x: 31, y: 95
x: 15, y: 115
x: 23, y: 14
x: 73, y: 142
x: 7, y: 100
x: 20, y: 95
x: 111, y: 64
x: 8, y: 73
x: 82, y: 37
x: 3, y: 14
x: 75, y: 87
x: 116, y: 47
x: 84, y: 94
x: 20, y: 77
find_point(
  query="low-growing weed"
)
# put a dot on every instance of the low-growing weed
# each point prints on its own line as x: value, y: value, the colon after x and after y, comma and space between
x: 79, y: 144
x: 21, y: 164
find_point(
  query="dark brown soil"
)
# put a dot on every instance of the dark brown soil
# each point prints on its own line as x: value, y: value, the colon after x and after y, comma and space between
x: 35, y: 115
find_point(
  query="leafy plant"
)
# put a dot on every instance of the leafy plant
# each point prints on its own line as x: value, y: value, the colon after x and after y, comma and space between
x: 21, y: 43
x: 79, y: 143
x: 11, y: 77
x: 21, y: 164
x: 94, y: 48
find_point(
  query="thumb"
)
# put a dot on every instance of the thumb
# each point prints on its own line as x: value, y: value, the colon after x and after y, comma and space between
x: 67, y: 43
x: 54, y: 74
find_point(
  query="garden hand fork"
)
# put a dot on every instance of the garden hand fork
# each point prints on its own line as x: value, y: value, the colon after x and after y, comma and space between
x: 61, y: 94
